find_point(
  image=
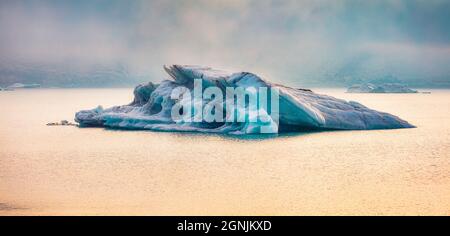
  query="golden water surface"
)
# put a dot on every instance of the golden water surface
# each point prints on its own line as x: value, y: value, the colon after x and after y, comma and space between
x: 65, y: 170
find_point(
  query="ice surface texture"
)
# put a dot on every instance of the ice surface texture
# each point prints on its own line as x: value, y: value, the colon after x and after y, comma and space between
x: 299, y: 109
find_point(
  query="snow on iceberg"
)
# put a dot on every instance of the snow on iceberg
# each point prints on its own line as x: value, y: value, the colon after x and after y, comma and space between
x: 298, y: 109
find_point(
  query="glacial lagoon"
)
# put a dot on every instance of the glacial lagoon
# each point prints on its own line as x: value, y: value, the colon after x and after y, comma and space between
x: 65, y: 170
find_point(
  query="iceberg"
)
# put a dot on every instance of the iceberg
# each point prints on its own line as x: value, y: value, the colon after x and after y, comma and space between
x: 298, y: 109
x: 382, y: 88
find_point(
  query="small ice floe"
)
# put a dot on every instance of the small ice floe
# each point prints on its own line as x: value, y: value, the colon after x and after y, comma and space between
x: 381, y: 88
x: 62, y: 122
x: 23, y: 86
x: 6, y: 89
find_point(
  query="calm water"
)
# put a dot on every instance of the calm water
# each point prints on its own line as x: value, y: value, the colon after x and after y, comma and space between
x: 67, y: 170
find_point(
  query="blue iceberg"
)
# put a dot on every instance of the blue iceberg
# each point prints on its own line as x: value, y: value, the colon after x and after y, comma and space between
x: 298, y: 109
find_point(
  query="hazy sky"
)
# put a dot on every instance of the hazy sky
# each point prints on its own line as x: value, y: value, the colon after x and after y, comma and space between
x: 286, y: 40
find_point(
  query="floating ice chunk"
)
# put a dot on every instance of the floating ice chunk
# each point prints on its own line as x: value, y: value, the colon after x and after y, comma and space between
x: 382, y: 88
x: 299, y: 109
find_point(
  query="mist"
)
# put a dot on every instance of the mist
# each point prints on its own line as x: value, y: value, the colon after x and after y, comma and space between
x: 298, y: 43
